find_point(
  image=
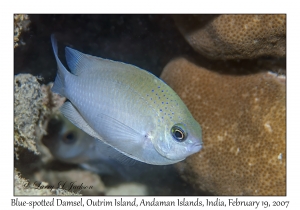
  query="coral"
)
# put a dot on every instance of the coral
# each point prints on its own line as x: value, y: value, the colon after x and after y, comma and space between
x: 33, y: 105
x: 21, y: 23
x: 235, y: 36
x: 244, y: 129
x: 28, y: 109
x: 52, y: 100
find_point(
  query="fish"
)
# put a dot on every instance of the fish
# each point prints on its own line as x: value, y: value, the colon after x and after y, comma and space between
x: 69, y: 144
x: 126, y: 107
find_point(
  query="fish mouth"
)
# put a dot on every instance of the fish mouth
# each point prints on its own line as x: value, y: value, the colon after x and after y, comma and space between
x: 194, y: 148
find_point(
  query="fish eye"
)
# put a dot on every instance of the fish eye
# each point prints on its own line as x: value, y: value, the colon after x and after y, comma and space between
x: 178, y: 133
x: 69, y: 137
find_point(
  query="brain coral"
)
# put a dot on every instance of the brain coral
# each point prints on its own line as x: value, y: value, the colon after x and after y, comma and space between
x: 244, y: 129
x: 235, y: 36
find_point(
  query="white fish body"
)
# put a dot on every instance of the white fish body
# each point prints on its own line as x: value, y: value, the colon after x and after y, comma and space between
x: 127, y: 108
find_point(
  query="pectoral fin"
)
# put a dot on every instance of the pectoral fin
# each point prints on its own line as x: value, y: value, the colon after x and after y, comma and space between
x: 71, y: 113
x: 129, y: 141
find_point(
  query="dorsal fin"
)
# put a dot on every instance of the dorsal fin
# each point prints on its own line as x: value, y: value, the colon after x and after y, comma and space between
x: 62, y: 73
x: 77, y: 61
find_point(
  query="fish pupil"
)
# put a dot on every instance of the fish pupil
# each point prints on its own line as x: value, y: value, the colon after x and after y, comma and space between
x: 69, y: 138
x: 178, y: 134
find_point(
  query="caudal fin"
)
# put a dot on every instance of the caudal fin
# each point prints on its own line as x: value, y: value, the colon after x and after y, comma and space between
x: 62, y: 73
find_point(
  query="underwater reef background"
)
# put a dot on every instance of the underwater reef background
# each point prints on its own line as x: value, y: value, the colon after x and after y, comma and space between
x: 228, y: 69
x: 146, y: 41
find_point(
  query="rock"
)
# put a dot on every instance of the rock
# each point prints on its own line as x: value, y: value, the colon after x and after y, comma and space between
x: 235, y: 36
x: 244, y: 129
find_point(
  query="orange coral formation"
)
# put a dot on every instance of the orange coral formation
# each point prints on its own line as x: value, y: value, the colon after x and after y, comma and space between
x: 235, y: 36
x: 244, y: 129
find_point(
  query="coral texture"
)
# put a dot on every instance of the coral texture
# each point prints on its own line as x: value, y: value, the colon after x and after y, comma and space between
x: 27, y: 111
x: 21, y: 23
x: 32, y: 107
x: 235, y: 36
x: 244, y: 129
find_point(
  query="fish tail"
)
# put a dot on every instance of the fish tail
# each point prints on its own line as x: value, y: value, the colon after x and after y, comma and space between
x: 62, y: 74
